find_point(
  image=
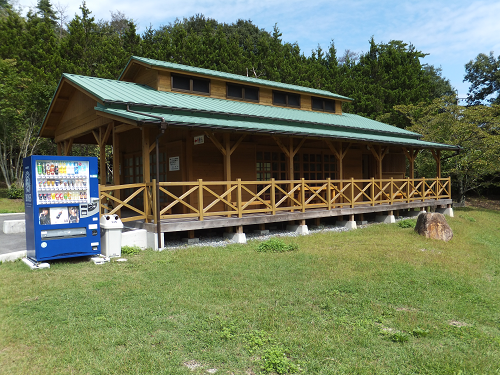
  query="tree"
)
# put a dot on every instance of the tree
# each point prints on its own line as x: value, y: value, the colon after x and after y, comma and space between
x: 20, y: 118
x: 475, y: 129
x: 484, y: 76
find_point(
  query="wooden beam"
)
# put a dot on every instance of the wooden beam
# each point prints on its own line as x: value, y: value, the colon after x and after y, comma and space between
x: 281, y: 146
x: 81, y: 129
x: 411, y: 156
x: 437, y: 158
x: 116, y: 163
x: 123, y: 128
x: 235, y: 146
x: 68, y: 145
x: 102, y: 156
x: 214, y: 140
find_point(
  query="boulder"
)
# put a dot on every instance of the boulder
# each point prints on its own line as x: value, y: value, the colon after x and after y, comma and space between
x: 433, y: 225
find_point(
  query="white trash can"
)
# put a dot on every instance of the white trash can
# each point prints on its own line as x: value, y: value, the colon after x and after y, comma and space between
x: 111, y: 236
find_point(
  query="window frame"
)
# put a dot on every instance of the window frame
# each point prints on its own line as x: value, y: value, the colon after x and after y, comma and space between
x: 243, y: 87
x: 286, y: 99
x: 323, y: 101
x: 191, y: 84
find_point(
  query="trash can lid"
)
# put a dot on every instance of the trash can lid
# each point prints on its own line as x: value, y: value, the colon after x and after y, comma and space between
x: 111, y: 222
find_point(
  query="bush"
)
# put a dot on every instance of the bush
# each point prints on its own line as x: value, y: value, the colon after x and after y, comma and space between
x: 275, y: 245
x: 407, y: 223
x: 15, y: 192
x: 131, y: 250
x: 274, y: 360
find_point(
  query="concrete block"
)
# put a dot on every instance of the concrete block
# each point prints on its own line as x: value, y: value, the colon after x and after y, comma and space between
x: 152, y: 241
x: 191, y: 241
x: 236, y: 237
x: 11, y: 257
x: 261, y: 232
x: 445, y: 211
x: 14, y: 226
x: 361, y: 222
x: 299, y: 229
x: 341, y: 223
x: 350, y: 225
x: 35, y: 266
x: 137, y: 237
x: 387, y: 219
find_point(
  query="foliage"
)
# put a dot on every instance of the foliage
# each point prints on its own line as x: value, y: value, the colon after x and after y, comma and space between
x: 483, y: 73
x: 274, y: 360
x: 276, y: 245
x: 15, y: 192
x: 474, y: 129
x: 131, y: 250
x: 407, y: 223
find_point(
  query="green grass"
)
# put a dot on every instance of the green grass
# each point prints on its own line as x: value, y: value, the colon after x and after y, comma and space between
x: 11, y: 205
x: 379, y: 300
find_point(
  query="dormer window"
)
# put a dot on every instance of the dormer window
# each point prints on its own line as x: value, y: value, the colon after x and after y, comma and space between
x: 325, y: 105
x: 286, y: 99
x: 242, y: 92
x: 193, y: 85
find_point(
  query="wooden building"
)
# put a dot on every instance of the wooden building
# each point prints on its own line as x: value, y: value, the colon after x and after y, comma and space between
x: 196, y: 148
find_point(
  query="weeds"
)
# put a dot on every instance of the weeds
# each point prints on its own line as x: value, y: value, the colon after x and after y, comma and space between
x: 407, y: 223
x: 276, y: 245
x: 131, y: 250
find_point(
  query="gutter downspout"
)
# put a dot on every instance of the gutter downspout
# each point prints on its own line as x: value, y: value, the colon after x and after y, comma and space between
x: 163, y: 127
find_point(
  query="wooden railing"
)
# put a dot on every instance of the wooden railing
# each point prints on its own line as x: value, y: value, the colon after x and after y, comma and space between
x: 201, y: 199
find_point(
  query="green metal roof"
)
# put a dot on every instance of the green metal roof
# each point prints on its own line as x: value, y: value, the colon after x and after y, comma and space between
x: 185, y: 118
x: 120, y: 92
x: 234, y: 77
x: 179, y: 109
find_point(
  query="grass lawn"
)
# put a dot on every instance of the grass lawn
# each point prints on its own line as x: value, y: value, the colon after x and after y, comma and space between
x: 379, y: 300
x: 11, y: 205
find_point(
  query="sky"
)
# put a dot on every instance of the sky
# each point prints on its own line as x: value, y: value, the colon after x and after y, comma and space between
x: 451, y: 32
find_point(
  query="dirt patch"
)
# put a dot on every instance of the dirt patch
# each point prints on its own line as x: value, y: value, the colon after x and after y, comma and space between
x: 456, y: 323
x: 490, y: 204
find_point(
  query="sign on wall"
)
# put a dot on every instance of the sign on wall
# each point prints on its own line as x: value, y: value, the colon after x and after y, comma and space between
x: 199, y: 139
x: 174, y: 164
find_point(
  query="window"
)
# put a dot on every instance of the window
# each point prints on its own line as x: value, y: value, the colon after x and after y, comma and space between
x: 314, y: 166
x: 270, y: 165
x: 320, y: 104
x: 242, y: 92
x: 132, y: 173
x: 286, y: 99
x: 190, y: 84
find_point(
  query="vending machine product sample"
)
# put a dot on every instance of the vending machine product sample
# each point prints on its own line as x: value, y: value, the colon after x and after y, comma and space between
x: 61, y: 197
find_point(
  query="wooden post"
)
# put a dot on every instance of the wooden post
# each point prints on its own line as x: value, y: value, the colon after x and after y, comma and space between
x: 102, y: 157
x: 411, y: 156
x: 239, y: 200
x: 273, y: 196
x: 154, y: 205
x: 437, y: 158
x: 59, y: 149
x: 352, y: 192
x: 200, y: 199
x: 227, y: 167
x: 116, y: 164
x: 372, y: 191
x: 329, y: 193
x: 303, y: 194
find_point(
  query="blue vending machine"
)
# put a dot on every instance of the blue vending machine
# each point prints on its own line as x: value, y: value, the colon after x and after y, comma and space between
x: 61, y: 198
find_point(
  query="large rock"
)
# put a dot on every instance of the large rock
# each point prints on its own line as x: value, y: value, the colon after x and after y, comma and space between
x: 433, y: 225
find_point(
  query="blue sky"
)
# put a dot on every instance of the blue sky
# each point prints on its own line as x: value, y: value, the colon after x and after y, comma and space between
x: 451, y: 32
